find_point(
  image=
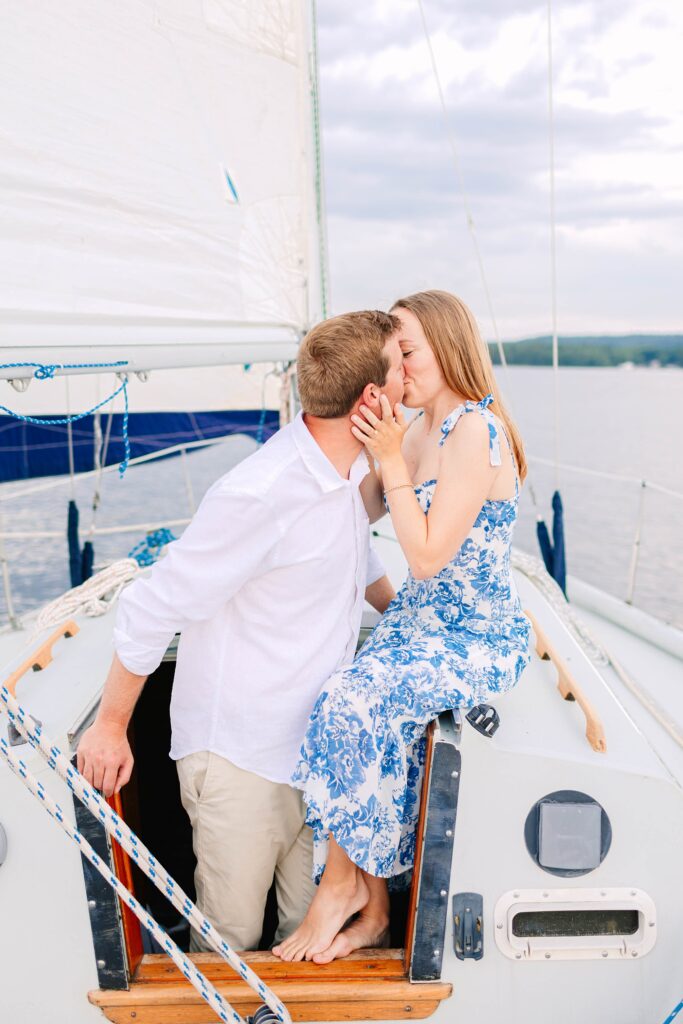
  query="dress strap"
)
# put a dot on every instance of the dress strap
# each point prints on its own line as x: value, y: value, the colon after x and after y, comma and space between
x: 482, y: 407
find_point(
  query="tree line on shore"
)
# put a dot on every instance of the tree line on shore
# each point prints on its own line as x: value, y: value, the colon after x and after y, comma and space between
x: 598, y: 350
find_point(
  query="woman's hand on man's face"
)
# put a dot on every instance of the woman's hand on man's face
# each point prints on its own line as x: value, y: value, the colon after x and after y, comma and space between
x: 382, y: 437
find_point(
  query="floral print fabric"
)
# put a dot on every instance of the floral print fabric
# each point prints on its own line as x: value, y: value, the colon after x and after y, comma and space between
x: 454, y: 640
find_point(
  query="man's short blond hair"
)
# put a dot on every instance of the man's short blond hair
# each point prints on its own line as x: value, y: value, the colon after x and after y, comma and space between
x: 339, y: 357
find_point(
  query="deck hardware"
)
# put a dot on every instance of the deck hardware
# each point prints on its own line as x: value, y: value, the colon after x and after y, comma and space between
x: 3, y: 845
x: 568, y: 833
x: 264, y: 1015
x: 468, y: 920
x: 42, y: 657
x: 484, y: 719
x: 14, y: 737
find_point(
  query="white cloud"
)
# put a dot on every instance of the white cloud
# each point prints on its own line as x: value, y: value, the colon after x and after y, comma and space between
x: 396, y: 221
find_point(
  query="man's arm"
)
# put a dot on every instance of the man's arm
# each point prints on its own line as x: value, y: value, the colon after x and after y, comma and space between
x: 104, y: 756
x: 227, y: 543
x: 380, y: 594
x: 378, y: 590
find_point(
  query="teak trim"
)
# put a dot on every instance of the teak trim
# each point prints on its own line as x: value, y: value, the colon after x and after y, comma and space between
x: 42, y: 656
x: 569, y: 688
x: 367, y: 985
x: 419, y: 849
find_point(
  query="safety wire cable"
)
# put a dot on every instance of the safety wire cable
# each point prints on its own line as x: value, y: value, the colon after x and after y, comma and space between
x: 133, y: 846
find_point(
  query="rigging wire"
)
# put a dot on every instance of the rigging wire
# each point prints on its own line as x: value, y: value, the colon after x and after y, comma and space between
x: 553, y: 244
x: 70, y: 440
x: 319, y: 176
x: 461, y: 184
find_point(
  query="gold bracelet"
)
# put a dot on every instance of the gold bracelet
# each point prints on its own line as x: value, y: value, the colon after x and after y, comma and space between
x: 398, y: 487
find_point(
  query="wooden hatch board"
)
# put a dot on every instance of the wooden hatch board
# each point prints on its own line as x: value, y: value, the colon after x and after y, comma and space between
x: 367, y: 985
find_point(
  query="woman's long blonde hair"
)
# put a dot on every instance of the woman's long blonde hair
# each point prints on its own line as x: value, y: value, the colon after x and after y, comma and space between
x: 462, y: 355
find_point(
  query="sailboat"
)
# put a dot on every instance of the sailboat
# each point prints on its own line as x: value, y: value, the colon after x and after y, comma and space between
x: 167, y: 215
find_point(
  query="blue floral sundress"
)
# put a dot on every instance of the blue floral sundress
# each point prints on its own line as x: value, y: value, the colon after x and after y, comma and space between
x: 454, y: 640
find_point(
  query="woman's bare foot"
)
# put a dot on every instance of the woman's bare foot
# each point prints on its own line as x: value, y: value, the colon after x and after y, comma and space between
x: 367, y: 930
x: 333, y: 904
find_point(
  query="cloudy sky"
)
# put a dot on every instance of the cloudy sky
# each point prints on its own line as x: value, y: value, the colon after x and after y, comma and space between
x: 395, y: 213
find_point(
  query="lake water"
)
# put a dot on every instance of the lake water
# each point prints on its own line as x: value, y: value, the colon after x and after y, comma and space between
x: 624, y: 422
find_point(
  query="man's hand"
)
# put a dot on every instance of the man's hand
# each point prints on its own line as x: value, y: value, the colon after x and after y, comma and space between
x: 104, y: 757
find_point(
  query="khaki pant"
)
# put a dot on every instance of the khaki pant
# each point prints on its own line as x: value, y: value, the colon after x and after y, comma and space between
x: 246, y: 831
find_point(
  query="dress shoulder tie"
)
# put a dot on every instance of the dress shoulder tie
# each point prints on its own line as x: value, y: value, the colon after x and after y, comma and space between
x: 482, y: 407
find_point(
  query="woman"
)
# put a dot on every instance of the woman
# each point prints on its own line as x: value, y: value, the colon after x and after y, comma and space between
x: 454, y: 636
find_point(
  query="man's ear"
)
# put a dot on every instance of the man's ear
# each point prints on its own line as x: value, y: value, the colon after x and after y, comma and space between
x: 370, y: 396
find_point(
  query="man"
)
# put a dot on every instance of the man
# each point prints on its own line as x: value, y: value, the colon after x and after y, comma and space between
x: 266, y: 586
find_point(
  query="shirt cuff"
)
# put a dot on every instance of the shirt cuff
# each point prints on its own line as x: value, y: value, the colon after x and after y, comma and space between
x: 135, y: 657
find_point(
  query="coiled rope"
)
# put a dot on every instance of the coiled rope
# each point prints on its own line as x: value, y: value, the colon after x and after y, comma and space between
x: 133, y: 846
x: 94, y: 597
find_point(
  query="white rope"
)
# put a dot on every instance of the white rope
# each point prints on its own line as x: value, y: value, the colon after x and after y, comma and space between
x: 136, y: 849
x: 94, y: 597
x: 553, y: 245
x: 194, y: 976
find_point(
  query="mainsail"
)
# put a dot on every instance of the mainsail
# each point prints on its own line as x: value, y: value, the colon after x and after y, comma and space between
x: 157, y: 166
x: 160, y: 176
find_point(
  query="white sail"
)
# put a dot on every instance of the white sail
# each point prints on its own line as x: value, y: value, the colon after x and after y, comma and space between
x: 157, y: 168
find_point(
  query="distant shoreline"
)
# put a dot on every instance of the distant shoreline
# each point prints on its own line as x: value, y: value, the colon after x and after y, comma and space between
x: 599, y: 350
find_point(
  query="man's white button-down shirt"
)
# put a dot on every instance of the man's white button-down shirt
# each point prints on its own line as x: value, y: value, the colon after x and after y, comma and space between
x: 266, y: 587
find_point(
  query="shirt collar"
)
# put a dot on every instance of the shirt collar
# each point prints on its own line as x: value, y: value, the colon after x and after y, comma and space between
x: 318, y: 463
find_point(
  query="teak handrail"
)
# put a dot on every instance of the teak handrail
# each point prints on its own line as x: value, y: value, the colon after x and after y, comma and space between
x: 569, y: 688
x: 41, y: 657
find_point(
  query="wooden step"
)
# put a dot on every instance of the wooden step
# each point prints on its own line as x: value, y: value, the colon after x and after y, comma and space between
x: 368, y: 985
